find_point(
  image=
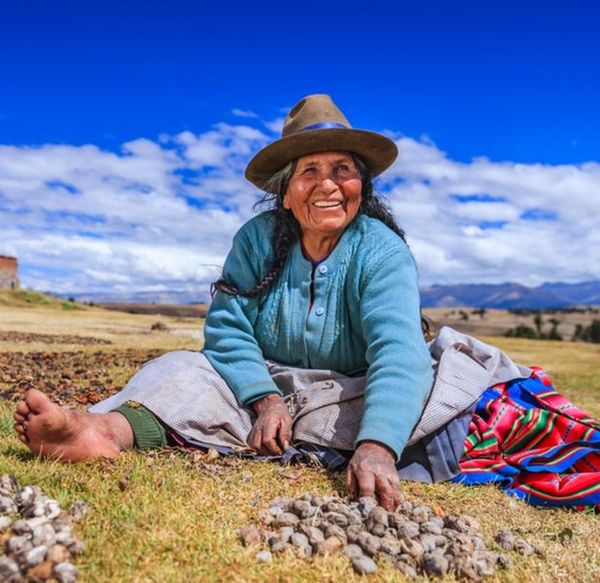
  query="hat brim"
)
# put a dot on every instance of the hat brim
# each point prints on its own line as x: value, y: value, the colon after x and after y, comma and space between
x: 378, y: 151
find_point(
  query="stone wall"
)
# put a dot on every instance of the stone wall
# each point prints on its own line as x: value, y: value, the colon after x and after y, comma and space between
x: 8, y: 272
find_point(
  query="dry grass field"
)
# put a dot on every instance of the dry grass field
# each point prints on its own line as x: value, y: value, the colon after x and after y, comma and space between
x: 177, y: 517
x: 496, y: 322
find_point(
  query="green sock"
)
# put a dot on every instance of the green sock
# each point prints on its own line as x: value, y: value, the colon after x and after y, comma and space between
x: 148, y: 431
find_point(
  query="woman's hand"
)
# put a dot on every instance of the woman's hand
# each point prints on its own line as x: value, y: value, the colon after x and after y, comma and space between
x: 272, y: 430
x: 372, y: 472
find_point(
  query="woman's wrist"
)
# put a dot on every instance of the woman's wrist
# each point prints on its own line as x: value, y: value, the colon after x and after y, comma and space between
x: 268, y: 402
x: 377, y: 447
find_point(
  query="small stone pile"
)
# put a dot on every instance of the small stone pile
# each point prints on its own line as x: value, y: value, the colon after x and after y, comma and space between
x: 414, y: 538
x: 511, y: 542
x: 35, y: 535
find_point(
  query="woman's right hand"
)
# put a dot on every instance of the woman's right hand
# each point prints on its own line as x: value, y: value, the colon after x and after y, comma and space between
x: 272, y: 430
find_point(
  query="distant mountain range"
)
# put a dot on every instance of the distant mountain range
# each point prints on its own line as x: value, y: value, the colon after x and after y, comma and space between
x: 162, y: 297
x: 512, y: 295
x: 502, y: 296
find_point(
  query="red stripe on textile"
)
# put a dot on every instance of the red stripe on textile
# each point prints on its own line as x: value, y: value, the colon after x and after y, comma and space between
x: 543, y: 437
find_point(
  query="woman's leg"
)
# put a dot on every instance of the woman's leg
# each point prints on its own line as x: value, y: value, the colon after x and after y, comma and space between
x: 179, y: 390
x: 56, y: 432
x: 186, y: 394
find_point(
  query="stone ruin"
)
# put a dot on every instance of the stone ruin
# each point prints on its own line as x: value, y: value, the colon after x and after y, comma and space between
x: 8, y: 272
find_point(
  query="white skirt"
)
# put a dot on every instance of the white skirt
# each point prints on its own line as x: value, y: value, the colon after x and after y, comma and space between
x: 188, y: 395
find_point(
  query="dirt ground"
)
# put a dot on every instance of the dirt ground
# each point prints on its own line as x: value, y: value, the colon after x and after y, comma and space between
x: 176, y: 519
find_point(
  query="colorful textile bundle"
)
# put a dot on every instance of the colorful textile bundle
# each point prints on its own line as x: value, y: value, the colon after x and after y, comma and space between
x: 536, y: 444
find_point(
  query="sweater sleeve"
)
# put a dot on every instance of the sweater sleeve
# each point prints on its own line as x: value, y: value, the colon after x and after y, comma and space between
x: 399, y: 374
x: 230, y: 343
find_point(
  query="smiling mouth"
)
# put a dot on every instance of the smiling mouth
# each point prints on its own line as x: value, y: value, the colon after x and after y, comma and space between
x: 326, y: 204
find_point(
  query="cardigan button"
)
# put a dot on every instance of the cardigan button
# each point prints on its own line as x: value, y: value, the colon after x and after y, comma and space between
x: 320, y: 311
x: 323, y: 269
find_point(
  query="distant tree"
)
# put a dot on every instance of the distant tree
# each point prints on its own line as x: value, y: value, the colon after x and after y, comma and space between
x: 554, y: 334
x: 521, y: 331
x: 521, y: 311
x: 480, y: 311
x: 589, y: 333
x: 463, y: 315
x: 593, y: 332
x: 578, y: 334
x: 538, y: 321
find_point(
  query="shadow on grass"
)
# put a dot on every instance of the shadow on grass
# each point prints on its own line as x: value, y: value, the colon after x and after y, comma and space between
x: 20, y: 453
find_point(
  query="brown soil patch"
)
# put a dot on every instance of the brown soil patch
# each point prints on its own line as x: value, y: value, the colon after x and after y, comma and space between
x: 14, y: 336
x: 69, y: 377
x: 174, y: 310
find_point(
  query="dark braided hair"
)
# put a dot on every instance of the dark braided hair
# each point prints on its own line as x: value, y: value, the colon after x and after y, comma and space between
x: 287, y: 230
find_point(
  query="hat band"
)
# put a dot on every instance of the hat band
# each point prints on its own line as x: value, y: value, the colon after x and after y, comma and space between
x: 325, y: 125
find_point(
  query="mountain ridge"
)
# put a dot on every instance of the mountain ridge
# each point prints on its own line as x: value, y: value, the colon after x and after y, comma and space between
x: 502, y: 296
x: 508, y: 296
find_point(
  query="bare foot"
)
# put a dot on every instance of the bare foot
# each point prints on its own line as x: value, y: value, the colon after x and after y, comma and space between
x: 55, y: 432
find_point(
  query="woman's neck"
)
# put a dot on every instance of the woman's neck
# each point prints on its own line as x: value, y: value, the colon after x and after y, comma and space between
x: 316, y: 248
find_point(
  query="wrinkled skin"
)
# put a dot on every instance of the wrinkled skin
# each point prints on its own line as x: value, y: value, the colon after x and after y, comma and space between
x: 323, y: 178
x: 272, y: 431
x: 324, y: 195
x: 372, y: 472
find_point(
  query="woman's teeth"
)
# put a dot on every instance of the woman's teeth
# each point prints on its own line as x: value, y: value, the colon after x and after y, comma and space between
x: 327, y: 203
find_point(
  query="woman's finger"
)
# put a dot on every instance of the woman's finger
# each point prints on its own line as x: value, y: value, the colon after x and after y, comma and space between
x: 351, y: 484
x: 270, y: 430
x: 366, y: 483
x: 387, y: 494
x: 282, y: 443
x: 255, y: 438
x: 285, y: 432
x: 272, y: 447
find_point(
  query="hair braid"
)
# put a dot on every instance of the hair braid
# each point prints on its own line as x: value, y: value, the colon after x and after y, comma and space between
x: 285, y: 233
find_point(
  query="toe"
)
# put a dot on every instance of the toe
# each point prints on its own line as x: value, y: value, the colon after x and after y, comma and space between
x: 36, y: 401
x: 22, y: 408
x: 19, y: 418
x: 23, y: 438
x: 19, y: 428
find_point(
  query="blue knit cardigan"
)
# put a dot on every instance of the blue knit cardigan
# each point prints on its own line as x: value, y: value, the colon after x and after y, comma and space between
x: 364, y: 317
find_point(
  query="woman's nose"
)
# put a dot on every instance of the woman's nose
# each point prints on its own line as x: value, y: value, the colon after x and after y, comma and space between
x: 328, y: 184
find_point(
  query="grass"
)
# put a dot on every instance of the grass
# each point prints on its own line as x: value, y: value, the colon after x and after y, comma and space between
x: 495, y: 322
x: 26, y: 297
x: 178, y: 516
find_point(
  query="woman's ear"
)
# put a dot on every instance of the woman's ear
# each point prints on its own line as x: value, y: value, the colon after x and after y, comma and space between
x: 285, y: 201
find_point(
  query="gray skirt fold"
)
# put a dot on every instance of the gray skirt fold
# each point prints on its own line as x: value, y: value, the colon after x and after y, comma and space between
x: 183, y: 390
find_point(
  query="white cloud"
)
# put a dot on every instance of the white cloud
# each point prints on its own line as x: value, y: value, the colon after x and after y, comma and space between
x: 160, y: 214
x: 275, y: 125
x: 493, y: 241
x: 243, y: 113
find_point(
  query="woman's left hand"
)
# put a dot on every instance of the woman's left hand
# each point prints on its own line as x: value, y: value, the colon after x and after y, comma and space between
x: 272, y: 431
x: 372, y: 472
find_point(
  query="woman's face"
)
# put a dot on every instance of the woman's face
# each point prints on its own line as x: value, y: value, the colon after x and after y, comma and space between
x: 324, y: 193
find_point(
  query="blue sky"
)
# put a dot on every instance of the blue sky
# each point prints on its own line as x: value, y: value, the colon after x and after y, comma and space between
x: 495, y: 105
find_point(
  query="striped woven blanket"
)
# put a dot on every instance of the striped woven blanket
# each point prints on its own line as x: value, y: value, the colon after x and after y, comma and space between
x: 535, y: 444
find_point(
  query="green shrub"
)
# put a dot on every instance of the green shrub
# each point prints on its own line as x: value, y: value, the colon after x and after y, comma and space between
x: 32, y: 297
x: 589, y: 333
x: 521, y: 331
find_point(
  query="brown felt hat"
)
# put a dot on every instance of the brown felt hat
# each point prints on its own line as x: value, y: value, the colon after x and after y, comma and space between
x: 315, y: 124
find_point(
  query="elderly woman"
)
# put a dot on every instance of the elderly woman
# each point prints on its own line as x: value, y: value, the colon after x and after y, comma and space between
x: 313, y: 336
